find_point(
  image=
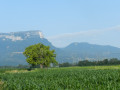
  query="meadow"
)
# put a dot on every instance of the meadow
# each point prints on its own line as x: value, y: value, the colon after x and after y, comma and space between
x: 69, y: 78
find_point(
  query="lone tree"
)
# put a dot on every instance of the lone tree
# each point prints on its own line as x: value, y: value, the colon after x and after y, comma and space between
x: 40, y: 54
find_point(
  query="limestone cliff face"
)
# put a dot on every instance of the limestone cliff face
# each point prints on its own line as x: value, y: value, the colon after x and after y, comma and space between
x: 17, y: 36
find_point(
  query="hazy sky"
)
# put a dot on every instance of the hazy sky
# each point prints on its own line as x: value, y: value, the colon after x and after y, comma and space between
x: 64, y: 21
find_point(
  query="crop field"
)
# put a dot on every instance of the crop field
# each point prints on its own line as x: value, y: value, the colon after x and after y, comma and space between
x: 70, y: 78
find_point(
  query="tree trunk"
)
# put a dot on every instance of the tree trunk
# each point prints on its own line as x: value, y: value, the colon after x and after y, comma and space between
x: 41, y: 66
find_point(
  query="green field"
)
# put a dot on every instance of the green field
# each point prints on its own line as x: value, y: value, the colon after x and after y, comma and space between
x: 70, y: 78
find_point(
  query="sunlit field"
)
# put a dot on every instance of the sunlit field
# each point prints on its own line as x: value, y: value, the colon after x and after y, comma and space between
x: 69, y: 78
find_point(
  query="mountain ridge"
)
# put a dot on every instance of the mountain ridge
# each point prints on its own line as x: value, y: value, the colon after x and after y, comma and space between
x: 11, y: 49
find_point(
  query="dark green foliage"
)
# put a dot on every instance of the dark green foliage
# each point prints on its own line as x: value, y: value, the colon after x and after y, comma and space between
x: 113, y: 61
x: 39, y: 54
x: 65, y: 64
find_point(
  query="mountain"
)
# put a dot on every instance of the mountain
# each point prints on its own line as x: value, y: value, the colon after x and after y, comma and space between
x: 13, y: 44
x: 81, y: 51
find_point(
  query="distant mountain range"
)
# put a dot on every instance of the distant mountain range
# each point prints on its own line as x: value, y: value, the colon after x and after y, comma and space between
x: 13, y: 44
x: 85, y: 51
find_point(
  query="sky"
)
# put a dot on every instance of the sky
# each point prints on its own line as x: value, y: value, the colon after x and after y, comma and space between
x: 64, y: 21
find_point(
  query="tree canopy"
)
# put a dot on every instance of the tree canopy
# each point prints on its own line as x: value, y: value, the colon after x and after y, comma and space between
x: 40, y: 54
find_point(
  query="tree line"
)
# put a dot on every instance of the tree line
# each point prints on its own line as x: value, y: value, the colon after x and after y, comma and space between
x: 113, y: 61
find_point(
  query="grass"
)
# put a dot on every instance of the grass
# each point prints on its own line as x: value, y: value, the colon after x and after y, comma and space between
x: 69, y: 78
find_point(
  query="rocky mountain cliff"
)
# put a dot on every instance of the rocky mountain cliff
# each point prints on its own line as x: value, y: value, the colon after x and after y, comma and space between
x: 13, y: 44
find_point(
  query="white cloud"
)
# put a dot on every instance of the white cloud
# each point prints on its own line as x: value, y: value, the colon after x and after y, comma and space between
x: 98, y: 36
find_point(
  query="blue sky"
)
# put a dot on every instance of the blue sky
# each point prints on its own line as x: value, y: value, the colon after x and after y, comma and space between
x: 64, y: 21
